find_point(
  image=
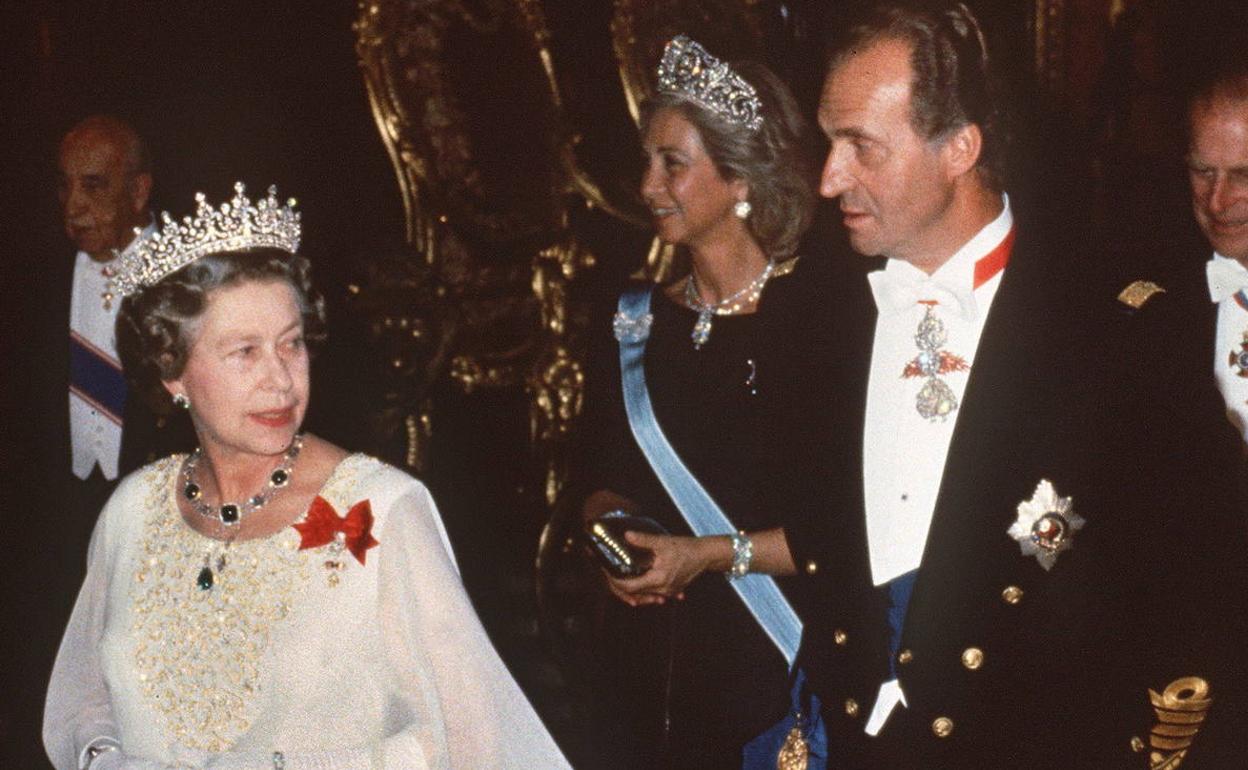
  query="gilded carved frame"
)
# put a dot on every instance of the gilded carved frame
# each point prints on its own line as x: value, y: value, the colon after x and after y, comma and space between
x: 482, y: 268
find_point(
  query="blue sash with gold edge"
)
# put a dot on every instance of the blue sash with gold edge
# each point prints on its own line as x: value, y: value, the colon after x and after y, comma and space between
x: 760, y: 593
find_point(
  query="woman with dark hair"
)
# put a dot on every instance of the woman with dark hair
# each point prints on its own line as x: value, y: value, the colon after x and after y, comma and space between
x: 681, y: 399
x: 270, y: 600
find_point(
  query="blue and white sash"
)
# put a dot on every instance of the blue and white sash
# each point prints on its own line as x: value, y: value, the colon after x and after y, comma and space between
x: 760, y: 593
x: 96, y: 377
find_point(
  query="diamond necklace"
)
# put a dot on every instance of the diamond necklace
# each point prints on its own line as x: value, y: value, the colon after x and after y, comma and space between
x: 230, y: 514
x: 727, y: 306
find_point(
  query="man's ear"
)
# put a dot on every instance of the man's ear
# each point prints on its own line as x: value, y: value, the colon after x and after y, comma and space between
x: 140, y: 191
x: 961, y: 150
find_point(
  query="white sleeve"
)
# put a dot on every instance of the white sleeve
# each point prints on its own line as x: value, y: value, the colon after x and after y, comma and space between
x: 456, y: 705
x: 489, y: 722
x: 78, y: 710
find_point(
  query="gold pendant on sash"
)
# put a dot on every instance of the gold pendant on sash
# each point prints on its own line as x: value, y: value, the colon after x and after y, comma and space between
x: 794, y: 753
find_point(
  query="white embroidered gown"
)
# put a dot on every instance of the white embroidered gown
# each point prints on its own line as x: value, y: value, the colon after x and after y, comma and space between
x: 381, y: 664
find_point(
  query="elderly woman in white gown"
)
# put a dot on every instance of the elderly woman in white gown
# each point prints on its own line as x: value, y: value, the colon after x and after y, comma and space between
x: 268, y: 601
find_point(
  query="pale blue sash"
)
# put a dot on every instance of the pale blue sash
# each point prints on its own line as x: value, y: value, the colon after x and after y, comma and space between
x: 760, y: 593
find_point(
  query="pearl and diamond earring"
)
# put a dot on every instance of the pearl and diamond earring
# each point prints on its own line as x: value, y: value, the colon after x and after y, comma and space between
x: 742, y: 209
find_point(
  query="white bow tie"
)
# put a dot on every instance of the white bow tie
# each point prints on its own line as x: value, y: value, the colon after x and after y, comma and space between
x: 1226, y: 277
x: 897, y: 291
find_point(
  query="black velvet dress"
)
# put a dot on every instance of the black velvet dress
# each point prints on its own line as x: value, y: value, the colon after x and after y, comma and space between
x: 689, y: 683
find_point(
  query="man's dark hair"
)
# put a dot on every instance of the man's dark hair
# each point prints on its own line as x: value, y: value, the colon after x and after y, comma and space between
x: 953, y: 82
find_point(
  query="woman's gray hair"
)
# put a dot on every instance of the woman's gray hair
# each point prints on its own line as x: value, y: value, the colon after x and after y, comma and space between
x: 155, y: 327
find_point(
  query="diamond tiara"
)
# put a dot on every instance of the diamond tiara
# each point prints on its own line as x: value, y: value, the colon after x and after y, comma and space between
x: 235, y: 226
x: 689, y: 70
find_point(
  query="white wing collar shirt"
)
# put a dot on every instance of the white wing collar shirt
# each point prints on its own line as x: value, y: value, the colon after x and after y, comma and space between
x: 97, y: 389
x: 1228, y: 288
x: 926, y: 335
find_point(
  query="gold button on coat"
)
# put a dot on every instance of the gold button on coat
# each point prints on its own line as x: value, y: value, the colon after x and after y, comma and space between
x: 840, y: 637
x: 942, y: 727
x: 851, y: 707
x: 811, y: 567
x: 904, y: 657
x: 1012, y: 594
x: 972, y: 658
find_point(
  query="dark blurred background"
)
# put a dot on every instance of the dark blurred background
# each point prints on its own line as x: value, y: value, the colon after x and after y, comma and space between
x: 270, y: 92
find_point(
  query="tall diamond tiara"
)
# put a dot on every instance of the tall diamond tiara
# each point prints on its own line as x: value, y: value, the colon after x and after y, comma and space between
x: 236, y: 225
x: 689, y: 70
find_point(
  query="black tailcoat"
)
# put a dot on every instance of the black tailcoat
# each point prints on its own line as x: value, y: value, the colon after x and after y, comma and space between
x: 1003, y: 663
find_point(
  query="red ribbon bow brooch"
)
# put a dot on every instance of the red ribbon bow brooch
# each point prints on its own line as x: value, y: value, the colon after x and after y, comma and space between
x: 322, y: 524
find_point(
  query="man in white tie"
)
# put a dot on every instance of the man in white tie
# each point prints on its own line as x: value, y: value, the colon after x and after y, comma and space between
x: 1217, y: 163
x: 998, y: 573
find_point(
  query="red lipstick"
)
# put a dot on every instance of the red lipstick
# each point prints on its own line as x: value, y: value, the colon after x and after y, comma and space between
x: 277, y: 419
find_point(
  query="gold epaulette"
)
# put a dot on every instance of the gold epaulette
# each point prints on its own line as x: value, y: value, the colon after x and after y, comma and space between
x: 1139, y: 292
x: 1180, y: 710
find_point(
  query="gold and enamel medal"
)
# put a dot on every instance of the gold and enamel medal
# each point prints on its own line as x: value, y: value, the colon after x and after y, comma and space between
x: 935, y: 399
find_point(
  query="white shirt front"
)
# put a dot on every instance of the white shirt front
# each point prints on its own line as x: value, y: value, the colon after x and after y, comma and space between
x: 904, y: 453
x: 1232, y: 340
x: 94, y: 434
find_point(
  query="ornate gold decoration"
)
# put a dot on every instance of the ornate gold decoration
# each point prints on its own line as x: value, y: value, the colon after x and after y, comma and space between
x: 485, y: 303
x: 1181, y: 708
x: 973, y: 658
x: 794, y: 753
x: 198, y: 653
x: 558, y: 388
x: 1139, y: 292
x: 1049, y: 27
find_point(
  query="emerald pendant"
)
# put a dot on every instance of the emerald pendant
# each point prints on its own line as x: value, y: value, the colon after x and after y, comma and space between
x: 204, y: 581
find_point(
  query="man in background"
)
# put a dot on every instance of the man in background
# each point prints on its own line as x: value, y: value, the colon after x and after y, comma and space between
x: 76, y: 429
x: 1217, y: 162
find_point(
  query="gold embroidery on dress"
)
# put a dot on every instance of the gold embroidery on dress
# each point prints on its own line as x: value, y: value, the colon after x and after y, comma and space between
x: 198, y: 653
x: 1180, y: 710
